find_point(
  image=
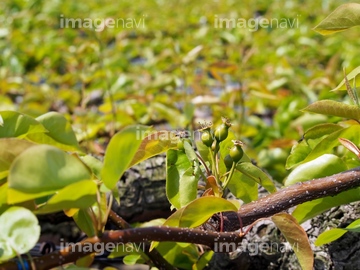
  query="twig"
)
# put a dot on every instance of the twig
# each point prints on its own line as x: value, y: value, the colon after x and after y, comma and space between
x: 299, y: 193
x: 264, y: 207
x: 157, y: 259
x: 136, y: 235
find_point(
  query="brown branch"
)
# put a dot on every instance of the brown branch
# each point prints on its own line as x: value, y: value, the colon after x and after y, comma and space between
x: 299, y: 193
x: 153, y: 254
x: 265, y: 207
x: 138, y: 235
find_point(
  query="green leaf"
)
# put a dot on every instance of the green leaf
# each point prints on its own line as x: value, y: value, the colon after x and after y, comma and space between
x: 312, y: 137
x: 298, y: 153
x: 334, y: 108
x: 20, y: 232
x: 3, y: 193
x: 342, y: 18
x: 181, y: 178
x: 313, y: 208
x: 329, y: 236
x: 155, y: 144
x: 297, y: 238
x: 199, y: 211
x: 120, y: 152
x: 322, y: 166
x: 354, y: 226
x: 42, y: 170
x: 100, y: 209
x: 10, y: 148
x: 320, y: 131
x: 327, y: 144
x: 132, y: 259
x: 77, y: 195
x: 84, y: 222
x: 333, y: 234
x: 60, y: 133
x: 243, y: 187
x: 203, y: 261
x: 94, y: 164
x: 180, y: 255
x: 19, y: 125
x: 203, y: 151
x: 122, y: 250
x: 352, y: 78
x: 256, y: 174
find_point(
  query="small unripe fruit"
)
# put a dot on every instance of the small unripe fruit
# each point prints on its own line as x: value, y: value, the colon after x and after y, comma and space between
x: 221, y: 133
x: 236, y: 152
x: 228, y: 162
x: 207, y: 138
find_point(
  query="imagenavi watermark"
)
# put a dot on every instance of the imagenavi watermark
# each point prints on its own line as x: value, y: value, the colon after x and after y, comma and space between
x: 167, y: 135
x: 100, y: 24
x: 255, y: 248
x: 100, y: 248
x: 253, y: 24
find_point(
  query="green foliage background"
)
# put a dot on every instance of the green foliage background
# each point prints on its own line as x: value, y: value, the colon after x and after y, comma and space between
x: 147, y: 75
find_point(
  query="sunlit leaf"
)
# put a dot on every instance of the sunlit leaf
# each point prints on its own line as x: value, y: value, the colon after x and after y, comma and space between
x: 120, y: 152
x: 42, y: 170
x: 20, y: 232
x: 297, y: 238
x: 19, y: 125
x: 84, y: 221
x: 154, y: 144
x: 180, y: 255
x: 354, y: 226
x: 334, y: 108
x: 342, y: 18
x: 298, y: 153
x: 10, y: 148
x: 313, y: 208
x: 322, y: 166
x: 327, y: 144
x: 335, y: 233
x: 256, y: 174
x: 181, y: 178
x: 312, y: 137
x: 77, y: 195
x: 351, y: 91
x: 94, y: 164
x: 60, y: 133
x: 203, y: 260
x: 243, y: 187
x: 329, y: 236
x: 132, y: 259
x: 199, y: 211
x: 352, y: 76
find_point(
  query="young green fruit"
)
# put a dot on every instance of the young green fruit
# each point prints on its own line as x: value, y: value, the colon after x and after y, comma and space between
x: 207, y: 138
x: 228, y: 162
x: 236, y: 152
x: 221, y: 132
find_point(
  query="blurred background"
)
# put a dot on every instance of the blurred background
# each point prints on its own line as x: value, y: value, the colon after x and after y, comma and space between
x: 171, y: 65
